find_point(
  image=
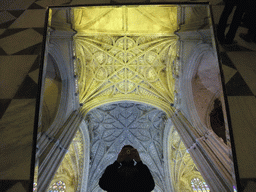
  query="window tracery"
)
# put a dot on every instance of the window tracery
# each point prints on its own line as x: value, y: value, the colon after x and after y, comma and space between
x: 59, y: 186
x: 34, y: 186
x: 199, y: 185
x: 181, y: 166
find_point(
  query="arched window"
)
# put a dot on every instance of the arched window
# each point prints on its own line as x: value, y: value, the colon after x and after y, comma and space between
x: 34, y: 186
x: 58, y: 187
x: 199, y: 185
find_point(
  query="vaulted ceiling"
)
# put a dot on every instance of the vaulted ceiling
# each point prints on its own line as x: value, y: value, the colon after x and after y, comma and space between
x: 125, y: 54
x: 124, y: 64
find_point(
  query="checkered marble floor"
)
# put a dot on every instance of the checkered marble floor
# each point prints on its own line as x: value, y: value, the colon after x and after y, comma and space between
x: 21, y: 36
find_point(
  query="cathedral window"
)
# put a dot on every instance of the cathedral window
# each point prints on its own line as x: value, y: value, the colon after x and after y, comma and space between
x: 199, y: 185
x: 58, y: 187
x: 34, y: 186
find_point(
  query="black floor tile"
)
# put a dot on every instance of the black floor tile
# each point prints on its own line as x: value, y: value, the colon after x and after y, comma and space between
x: 7, y: 184
x: 226, y: 61
x: 236, y: 86
x: 9, y: 32
x: 39, y: 30
x: 244, y: 182
x: 33, y: 50
x: 2, y: 52
x: 27, y: 90
x: 4, y: 103
x: 16, y: 13
x: 6, y: 24
x: 36, y: 64
x: 26, y: 184
x: 35, y: 6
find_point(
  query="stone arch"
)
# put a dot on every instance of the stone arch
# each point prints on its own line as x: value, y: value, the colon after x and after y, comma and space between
x: 202, y: 86
x: 210, y: 154
x: 195, y: 80
x: 55, y: 57
x: 52, y: 93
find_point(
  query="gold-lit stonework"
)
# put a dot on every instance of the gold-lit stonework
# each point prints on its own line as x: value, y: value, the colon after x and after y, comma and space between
x: 182, y: 167
x: 123, y: 20
x: 70, y: 170
x: 126, y: 53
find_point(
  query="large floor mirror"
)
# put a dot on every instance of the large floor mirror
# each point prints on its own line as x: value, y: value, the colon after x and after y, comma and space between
x: 140, y: 75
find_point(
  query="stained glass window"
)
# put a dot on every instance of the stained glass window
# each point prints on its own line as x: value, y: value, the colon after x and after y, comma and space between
x: 199, y: 185
x: 58, y: 187
x: 34, y: 186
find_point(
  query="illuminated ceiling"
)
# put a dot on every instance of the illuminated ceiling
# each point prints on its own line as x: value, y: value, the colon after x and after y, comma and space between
x: 126, y: 20
x: 124, y: 64
x: 125, y: 53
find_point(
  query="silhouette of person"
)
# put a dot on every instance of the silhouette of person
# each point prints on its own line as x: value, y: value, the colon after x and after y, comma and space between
x: 236, y: 21
x: 250, y: 21
x: 124, y: 176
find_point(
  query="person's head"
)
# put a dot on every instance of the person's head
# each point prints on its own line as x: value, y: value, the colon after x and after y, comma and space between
x: 129, y: 157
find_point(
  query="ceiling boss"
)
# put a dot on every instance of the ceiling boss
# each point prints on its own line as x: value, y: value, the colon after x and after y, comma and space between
x: 126, y: 54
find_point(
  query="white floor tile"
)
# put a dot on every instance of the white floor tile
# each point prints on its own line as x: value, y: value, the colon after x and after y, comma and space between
x: 34, y: 75
x: 243, y: 117
x: 30, y: 18
x: 228, y: 72
x: 2, y: 31
x: 13, y: 71
x: 216, y: 11
x: 20, y: 41
x: 16, y: 135
x: 6, y: 16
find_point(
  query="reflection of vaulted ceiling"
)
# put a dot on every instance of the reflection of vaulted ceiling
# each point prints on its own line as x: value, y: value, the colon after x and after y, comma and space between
x: 70, y: 170
x: 124, y: 20
x: 126, y: 53
x: 182, y: 167
x: 115, y: 125
x: 124, y: 64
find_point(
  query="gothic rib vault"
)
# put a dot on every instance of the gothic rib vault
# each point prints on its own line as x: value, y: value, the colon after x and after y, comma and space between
x: 126, y: 79
x: 123, y: 72
x: 125, y: 62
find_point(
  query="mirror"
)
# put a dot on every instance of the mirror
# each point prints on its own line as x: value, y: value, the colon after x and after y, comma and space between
x: 140, y: 75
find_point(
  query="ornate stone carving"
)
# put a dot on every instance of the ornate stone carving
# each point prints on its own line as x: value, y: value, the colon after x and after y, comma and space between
x: 181, y: 166
x: 116, y: 68
x: 115, y: 125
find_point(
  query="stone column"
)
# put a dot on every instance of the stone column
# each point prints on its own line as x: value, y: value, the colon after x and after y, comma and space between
x: 56, y: 150
x: 211, y: 158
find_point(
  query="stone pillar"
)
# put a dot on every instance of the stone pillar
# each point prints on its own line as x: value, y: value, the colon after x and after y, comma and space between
x: 210, y: 157
x: 56, y: 150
